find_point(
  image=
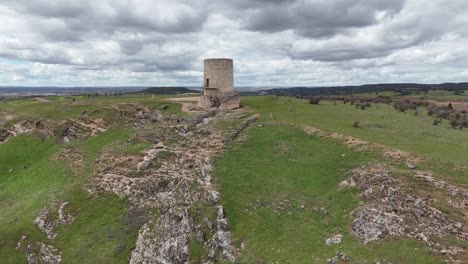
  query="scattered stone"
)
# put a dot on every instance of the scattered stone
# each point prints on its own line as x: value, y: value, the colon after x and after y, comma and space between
x: 48, y: 225
x: 39, y: 252
x: 335, y: 239
x: 239, y: 129
x: 19, y: 245
x: 410, y: 165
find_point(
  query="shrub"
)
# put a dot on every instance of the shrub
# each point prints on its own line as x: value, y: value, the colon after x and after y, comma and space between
x: 437, y: 121
x: 454, y: 122
x: 314, y: 100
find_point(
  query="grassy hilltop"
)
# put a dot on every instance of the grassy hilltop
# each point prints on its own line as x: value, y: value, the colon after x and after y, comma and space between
x: 280, y: 186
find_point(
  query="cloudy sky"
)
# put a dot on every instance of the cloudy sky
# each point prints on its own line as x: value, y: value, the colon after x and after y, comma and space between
x: 273, y: 43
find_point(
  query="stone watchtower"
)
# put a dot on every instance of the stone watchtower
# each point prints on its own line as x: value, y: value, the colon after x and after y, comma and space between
x: 218, y: 85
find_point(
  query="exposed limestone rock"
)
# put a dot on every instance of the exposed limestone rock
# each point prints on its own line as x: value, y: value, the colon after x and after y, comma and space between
x: 335, y: 239
x: 393, y: 209
x: 22, y: 127
x: 48, y: 225
x: 222, y: 239
x: 165, y: 241
x: 150, y: 156
x: 39, y: 252
x: 181, y: 178
x: 80, y: 128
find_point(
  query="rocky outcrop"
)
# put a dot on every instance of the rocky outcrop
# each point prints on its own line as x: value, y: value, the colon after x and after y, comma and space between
x: 165, y: 241
x: 22, y: 127
x: 172, y: 175
x: 394, y: 209
x: 39, y: 252
x: 221, y: 241
x: 79, y: 128
x: 48, y: 225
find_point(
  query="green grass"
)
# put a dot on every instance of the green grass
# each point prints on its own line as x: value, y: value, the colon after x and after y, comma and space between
x: 379, y: 123
x: 31, y: 180
x: 64, y: 107
x: 24, y: 191
x: 276, y: 164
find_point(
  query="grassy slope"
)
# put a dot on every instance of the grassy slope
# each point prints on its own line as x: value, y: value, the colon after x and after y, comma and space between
x: 437, y: 95
x: 64, y: 107
x: 384, y: 125
x: 97, y: 229
x: 283, y: 163
x: 98, y: 226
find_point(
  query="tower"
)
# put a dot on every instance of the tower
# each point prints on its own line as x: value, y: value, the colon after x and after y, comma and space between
x: 218, y: 85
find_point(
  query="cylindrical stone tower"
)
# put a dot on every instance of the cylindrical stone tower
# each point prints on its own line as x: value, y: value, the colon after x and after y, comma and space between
x: 218, y: 74
x: 218, y: 85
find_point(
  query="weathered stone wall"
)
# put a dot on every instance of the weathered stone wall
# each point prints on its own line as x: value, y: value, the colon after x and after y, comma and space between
x: 220, y: 74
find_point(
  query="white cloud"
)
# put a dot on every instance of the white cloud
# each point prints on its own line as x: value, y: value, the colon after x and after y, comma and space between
x: 282, y: 42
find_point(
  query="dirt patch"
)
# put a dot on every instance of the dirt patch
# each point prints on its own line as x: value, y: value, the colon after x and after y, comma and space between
x: 5, y: 118
x: 188, y: 103
x: 363, y: 145
x: 456, y: 105
x: 184, y: 99
x: 42, y: 100
x: 72, y: 158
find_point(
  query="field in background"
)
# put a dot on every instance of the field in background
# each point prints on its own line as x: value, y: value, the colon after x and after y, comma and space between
x: 380, y: 124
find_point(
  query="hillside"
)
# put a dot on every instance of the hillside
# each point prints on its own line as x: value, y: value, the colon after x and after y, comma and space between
x: 399, y: 88
x: 134, y: 178
x: 168, y: 90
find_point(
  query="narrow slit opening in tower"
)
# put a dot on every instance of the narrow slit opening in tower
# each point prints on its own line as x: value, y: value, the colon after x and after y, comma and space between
x: 207, y: 82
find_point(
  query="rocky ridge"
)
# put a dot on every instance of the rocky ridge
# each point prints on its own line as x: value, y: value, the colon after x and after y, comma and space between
x: 173, y: 175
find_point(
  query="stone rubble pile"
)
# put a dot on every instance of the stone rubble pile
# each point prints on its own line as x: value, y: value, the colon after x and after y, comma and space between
x: 173, y: 186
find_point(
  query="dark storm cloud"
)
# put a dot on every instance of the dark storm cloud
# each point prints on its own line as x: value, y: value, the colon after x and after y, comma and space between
x: 319, y: 18
x: 417, y: 24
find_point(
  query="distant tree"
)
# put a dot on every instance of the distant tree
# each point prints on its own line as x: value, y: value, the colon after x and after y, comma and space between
x: 454, y: 122
x: 450, y: 106
x: 314, y: 100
